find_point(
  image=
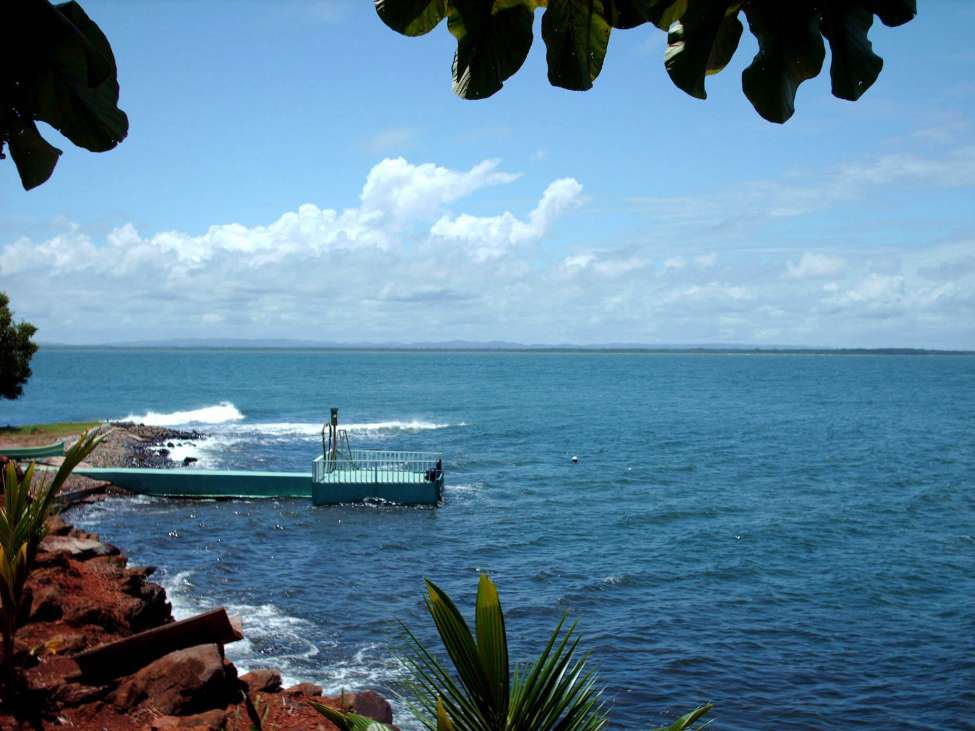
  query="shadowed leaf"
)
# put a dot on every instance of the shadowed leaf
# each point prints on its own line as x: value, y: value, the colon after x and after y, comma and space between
x: 576, y: 35
x: 790, y: 51
x: 854, y: 66
x: 34, y: 156
x: 491, y: 46
x: 412, y: 17
x: 894, y: 12
x: 701, y: 42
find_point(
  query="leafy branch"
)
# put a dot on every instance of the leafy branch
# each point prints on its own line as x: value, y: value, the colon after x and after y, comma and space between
x: 56, y: 66
x: 494, y: 37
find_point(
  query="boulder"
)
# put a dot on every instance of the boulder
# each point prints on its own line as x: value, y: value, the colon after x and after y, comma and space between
x: 150, y: 609
x: 214, y: 720
x: 304, y: 689
x: 136, y: 579
x: 69, y: 694
x: 78, y: 548
x: 370, y: 704
x: 185, y: 681
x: 91, y: 611
x: 266, y: 680
x: 46, y: 604
x: 57, y: 527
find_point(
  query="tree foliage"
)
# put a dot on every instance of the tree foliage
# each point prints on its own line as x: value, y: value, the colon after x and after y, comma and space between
x: 494, y: 36
x: 56, y: 66
x: 16, y: 350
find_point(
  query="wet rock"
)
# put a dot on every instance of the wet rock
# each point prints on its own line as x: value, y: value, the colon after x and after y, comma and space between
x: 185, y: 681
x: 370, y: 704
x: 304, y: 689
x: 170, y: 445
x: 136, y: 579
x: 266, y: 680
x: 189, y: 460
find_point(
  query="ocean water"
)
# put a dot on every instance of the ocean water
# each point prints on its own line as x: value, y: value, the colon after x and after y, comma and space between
x: 789, y: 537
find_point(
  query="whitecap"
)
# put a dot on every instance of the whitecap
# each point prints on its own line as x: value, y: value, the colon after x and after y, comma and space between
x: 308, y: 429
x: 221, y: 413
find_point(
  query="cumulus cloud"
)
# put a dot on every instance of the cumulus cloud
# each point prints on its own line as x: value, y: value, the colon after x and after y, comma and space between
x: 489, y: 237
x: 410, y: 263
x: 402, y: 191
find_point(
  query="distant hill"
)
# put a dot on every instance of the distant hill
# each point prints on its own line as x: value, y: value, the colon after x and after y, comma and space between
x: 493, y: 345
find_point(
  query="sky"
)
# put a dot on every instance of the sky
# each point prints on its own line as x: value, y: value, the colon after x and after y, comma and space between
x: 297, y: 170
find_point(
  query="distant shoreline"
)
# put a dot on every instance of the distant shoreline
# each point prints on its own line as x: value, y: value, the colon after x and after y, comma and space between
x: 580, y: 349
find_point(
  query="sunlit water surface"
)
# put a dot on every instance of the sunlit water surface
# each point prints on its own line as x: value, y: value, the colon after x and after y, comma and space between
x: 789, y: 537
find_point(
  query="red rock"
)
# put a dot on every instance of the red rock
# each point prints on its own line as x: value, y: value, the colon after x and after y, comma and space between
x: 80, y: 549
x: 57, y: 527
x: 88, y: 611
x: 370, y: 704
x: 309, y: 689
x: 69, y: 695
x: 46, y: 604
x: 214, y: 720
x: 180, y: 682
x: 268, y: 680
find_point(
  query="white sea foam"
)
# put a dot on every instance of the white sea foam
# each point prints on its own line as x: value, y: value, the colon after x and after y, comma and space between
x: 222, y: 413
x: 308, y: 429
x: 265, y: 624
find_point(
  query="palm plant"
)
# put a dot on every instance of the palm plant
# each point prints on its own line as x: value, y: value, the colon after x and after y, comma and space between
x: 554, y: 693
x: 23, y: 525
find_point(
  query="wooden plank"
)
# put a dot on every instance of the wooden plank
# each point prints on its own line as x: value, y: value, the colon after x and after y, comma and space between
x: 127, y: 655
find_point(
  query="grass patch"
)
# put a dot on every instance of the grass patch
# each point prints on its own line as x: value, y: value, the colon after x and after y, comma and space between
x: 56, y: 429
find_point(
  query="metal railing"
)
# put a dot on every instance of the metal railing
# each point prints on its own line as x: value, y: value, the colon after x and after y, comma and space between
x: 371, y: 466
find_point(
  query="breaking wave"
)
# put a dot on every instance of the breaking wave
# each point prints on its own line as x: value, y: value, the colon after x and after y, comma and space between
x: 307, y: 429
x: 222, y: 413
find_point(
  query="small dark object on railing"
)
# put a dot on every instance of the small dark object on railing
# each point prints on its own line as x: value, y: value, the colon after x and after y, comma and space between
x: 434, y: 473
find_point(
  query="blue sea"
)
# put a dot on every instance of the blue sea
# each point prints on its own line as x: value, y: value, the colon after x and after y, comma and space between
x: 790, y: 537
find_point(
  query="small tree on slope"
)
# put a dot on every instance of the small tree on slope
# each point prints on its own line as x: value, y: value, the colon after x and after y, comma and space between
x: 16, y: 350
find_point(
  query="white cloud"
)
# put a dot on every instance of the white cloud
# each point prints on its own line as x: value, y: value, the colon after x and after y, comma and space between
x: 490, y: 237
x: 811, y: 265
x: 412, y: 262
x: 602, y: 264
x: 790, y: 197
x: 404, y: 192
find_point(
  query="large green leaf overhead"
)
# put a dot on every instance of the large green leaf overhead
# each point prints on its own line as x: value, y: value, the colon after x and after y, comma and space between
x: 855, y: 66
x: 492, y: 43
x: 412, y: 17
x: 790, y: 51
x: 576, y: 34
x: 58, y: 68
x: 702, y: 42
x: 494, y: 37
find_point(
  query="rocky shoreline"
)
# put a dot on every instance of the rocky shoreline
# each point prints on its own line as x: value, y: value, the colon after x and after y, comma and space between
x: 83, y: 594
